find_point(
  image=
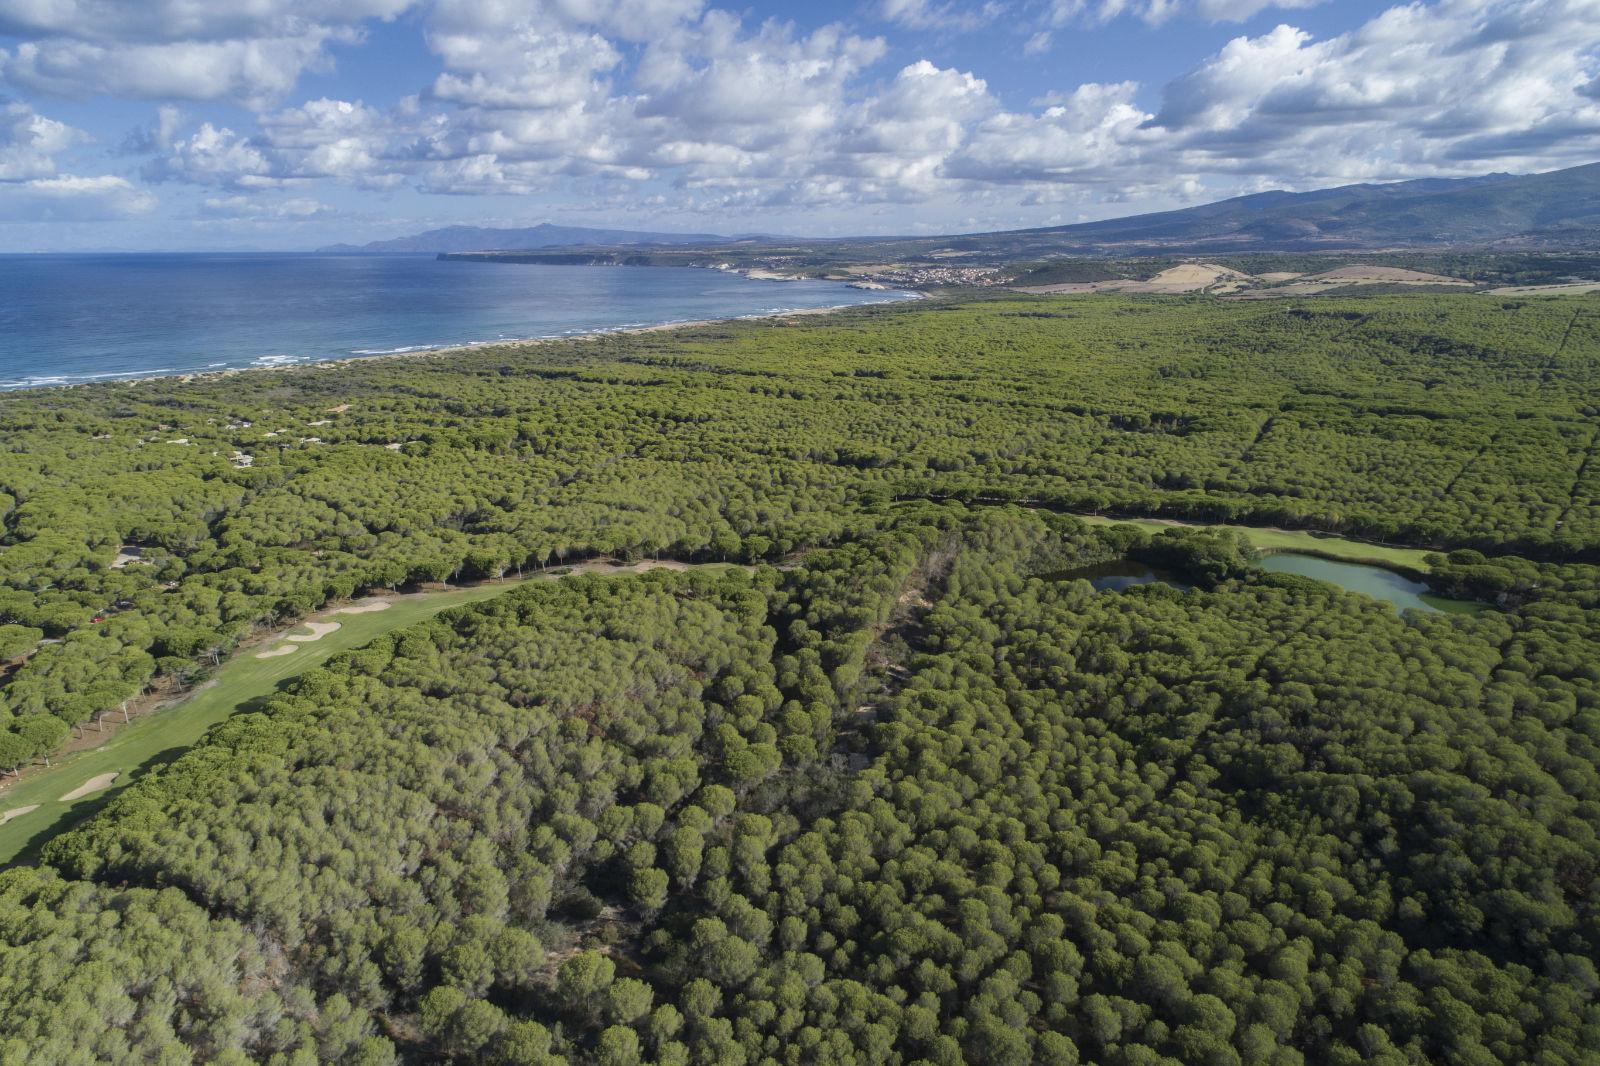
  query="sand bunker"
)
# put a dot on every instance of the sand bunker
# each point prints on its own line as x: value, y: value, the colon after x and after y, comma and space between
x: 94, y: 784
x: 366, y: 607
x: 17, y: 812
x: 318, y: 631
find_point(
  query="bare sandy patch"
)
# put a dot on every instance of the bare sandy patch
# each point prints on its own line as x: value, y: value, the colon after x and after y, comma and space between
x: 318, y: 631
x: 341, y: 409
x: 366, y: 607
x: 273, y: 653
x: 1186, y: 277
x: 1189, y: 277
x: 126, y: 554
x: 94, y: 784
x: 1357, y: 272
x: 1558, y: 289
x: 1066, y: 288
x: 17, y: 812
x: 653, y: 564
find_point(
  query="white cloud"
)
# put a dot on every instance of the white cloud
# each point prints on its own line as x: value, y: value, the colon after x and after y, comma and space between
x: 1156, y: 12
x: 339, y: 139
x: 30, y: 142
x: 1092, y: 135
x: 536, y: 99
x: 678, y: 106
x: 145, y: 21
x: 251, y: 51
x: 937, y: 15
x: 68, y: 198
x: 1419, y: 89
x: 250, y: 71
x: 296, y: 209
x: 214, y: 155
x: 523, y: 69
x: 900, y: 139
x: 156, y: 137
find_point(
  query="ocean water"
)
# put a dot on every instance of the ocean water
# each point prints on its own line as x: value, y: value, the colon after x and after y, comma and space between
x: 73, y: 318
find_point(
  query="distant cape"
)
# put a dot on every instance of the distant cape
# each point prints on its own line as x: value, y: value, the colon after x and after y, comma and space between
x: 544, y: 235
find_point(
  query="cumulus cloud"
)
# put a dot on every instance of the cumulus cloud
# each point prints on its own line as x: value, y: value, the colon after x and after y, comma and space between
x: 295, y: 209
x: 214, y: 155
x: 33, y: 187
x: 340, y: 139
x: 179, y: 20
x: 157, y: 136
x: 252, y: 71
x: 1156, y: 12
x: 68, y: 198
x: 252, y: 52
x: 682, y: 106
x: 740, y: 116
x: 1094, y: 135
x: 934, y: 15
x: 1417, y: 89
x: 30, y: 142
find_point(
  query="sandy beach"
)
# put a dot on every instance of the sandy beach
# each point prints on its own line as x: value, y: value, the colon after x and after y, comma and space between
x: 510, y: 342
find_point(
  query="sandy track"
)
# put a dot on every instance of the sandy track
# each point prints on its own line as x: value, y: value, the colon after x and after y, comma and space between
x: 94, y: 784
x: 17, y: 812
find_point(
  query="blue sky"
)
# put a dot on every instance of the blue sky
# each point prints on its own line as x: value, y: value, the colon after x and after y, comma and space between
x: 286, y: 124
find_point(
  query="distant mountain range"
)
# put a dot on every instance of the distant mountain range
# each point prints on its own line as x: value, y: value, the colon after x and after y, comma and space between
x: 544, y: 235
x: 1560, y: 207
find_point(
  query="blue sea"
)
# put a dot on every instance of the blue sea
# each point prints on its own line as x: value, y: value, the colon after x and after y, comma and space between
x: 74, y: 318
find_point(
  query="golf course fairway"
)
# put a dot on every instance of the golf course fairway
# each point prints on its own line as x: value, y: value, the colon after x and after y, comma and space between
x: 160, y: 736
x: 1302, y: 541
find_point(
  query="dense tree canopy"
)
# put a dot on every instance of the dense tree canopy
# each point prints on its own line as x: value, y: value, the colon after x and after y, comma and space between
x: 908, y: 796
x: 1452, y: 422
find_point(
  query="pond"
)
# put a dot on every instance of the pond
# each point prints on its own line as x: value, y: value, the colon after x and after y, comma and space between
x: 1369, y: 580
x: 1116, y: 575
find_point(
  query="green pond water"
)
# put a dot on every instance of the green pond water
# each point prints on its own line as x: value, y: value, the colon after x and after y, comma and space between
x: 1370, y: 580
x: 1117, y: 575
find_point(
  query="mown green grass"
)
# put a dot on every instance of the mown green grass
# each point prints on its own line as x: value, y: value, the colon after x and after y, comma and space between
x: 1294, y: 540
x: 159, y: 737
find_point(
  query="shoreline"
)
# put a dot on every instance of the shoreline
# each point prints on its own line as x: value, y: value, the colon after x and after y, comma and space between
x: 188, y: 376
